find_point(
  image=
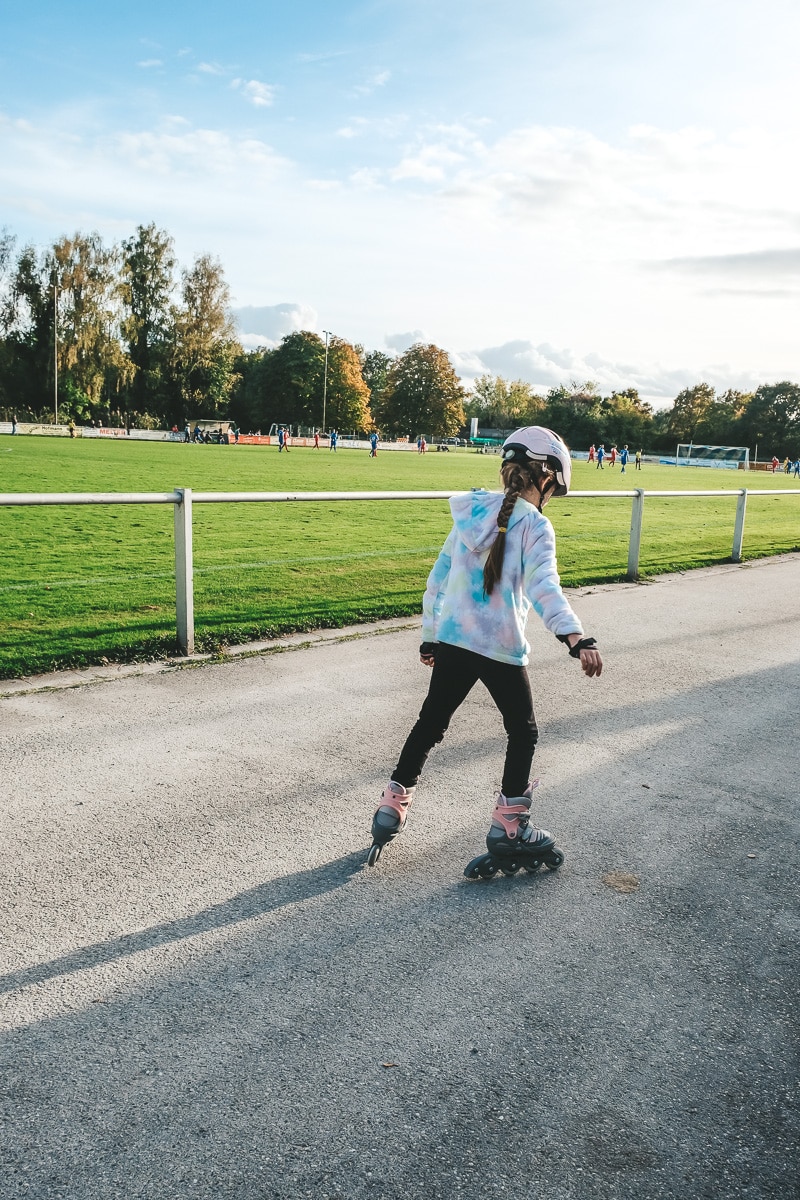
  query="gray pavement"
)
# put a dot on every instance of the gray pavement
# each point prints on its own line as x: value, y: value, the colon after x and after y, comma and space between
x: 204, y: 993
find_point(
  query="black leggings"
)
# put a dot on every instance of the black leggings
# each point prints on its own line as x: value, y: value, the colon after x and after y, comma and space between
x: 455, y: 672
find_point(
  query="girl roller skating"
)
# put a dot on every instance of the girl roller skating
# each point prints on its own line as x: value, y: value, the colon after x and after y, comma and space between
x: 498, y: 560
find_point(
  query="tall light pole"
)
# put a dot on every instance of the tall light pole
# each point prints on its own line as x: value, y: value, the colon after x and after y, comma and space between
x: 55, y: 347
x: 325, y: 379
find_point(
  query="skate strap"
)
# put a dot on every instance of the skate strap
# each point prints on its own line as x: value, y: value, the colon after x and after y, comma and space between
x: 397, y: 803
x: 508, y: 815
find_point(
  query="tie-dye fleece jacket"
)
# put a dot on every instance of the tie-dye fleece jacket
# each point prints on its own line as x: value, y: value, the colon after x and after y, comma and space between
x: 455, y: 608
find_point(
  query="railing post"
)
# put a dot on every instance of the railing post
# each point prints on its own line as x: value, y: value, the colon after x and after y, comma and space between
x: 738, y: 529
x: 635, y: 541
x: 184, y: 571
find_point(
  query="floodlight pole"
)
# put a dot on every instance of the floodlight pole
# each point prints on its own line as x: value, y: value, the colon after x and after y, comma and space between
x: 55, y: 349
x: 325, y: 379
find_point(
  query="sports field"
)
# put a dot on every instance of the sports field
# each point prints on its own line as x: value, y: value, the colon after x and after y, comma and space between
x: 80, y: 584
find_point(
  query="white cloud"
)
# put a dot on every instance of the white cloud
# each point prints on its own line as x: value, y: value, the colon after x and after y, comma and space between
x: 402, y: 341
x: 265, y: 325
x: 260, y: 94
x: 147, y: 63
x: 211, y: 68
x: 545, y: 366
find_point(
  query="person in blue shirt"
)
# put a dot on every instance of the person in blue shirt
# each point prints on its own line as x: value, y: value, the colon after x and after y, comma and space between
x: 623, y: 458
x: 373, y: 442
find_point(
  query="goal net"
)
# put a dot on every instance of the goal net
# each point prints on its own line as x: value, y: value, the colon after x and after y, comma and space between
x: 733, y: 457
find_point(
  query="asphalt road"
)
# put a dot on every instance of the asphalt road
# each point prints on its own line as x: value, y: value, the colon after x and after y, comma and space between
x: 204, y: 993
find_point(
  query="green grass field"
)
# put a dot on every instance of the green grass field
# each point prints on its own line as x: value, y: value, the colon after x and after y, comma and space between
x: 83, y: 584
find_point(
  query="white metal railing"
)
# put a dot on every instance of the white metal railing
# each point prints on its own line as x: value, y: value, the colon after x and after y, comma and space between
x: 184, y: 498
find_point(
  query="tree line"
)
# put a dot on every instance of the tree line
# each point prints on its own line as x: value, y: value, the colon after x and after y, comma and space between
x: 131, y: 337
x: 767, y: 418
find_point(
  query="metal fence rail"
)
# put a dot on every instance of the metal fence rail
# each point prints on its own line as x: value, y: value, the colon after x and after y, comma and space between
x: 184, y: 498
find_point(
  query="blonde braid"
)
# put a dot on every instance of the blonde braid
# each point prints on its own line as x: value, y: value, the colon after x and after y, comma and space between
x: 516, y: 479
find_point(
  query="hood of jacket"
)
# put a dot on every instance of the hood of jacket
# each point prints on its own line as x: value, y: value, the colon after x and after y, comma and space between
x: 475, y: 516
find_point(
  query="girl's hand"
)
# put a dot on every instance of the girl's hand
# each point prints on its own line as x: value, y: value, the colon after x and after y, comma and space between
x: 591, y: 662
x: 427, y: 653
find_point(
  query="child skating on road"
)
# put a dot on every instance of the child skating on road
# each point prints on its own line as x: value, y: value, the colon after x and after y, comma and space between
x: 498, y: 561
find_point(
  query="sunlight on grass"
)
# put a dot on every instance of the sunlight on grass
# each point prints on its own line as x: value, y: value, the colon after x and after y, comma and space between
x: 81, y: 584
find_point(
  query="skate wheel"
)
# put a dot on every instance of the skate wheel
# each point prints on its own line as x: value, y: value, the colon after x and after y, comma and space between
x: 533, y: 867
x: 554, y: 860
x: 510, y: 868
x: 481, y: 867
x: 374, y: 854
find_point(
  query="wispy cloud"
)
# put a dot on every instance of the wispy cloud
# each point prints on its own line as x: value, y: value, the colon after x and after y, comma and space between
x: 377, y: 80
x: 762, y: 265
x: 262, y: 95
x: 210, y: 68
x: 148, y: 63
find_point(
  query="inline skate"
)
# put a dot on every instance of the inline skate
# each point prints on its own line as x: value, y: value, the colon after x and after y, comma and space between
x: 389, y: 819
x: 513, y: 843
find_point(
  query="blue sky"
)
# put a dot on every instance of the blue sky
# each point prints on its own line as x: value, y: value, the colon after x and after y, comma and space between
x: 552, y: 191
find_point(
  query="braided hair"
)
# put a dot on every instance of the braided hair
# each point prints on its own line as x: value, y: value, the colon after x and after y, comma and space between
x: 517, y: 478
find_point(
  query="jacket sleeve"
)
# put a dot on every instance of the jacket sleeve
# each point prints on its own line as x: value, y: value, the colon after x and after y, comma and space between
x: 541, y: 580
x: 437, y: 583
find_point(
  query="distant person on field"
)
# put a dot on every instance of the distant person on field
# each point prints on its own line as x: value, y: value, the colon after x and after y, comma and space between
x: 623, y: 458
x: 796, y: 467
x: 601, y: 453
x: 419, y: 445
x: 280, y: 439
x: 71, y: 427
x: 13, y: 425
x: 775, y: 464
x: 638, y: 460
x: 286, y: 440
x: 373, y: 444
x: 613, y: 455
x: 591, y: 452
x: 334, y: 439
x: 316, y: 439
x: 423, y: 445
x: 786, y: 465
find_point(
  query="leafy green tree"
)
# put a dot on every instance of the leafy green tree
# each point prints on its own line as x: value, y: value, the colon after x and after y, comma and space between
x: 90, y: 354
x: 690, y: 411
x: 290, y: 382
x: 575, y: 412
x: 205, y: 345
x: 27, y: 381
x: 626, y: 419
x: 148, y: 283
x: 501, y: 405
x: 772, y: 420
x: 424, y: 394
x: 375, y: 368
x: 721, y: 424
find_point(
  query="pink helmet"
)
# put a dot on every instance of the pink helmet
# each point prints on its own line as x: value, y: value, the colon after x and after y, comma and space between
x: 534, y: 443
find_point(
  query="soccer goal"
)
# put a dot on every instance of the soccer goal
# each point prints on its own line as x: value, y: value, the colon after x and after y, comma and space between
x: 733, y: 457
